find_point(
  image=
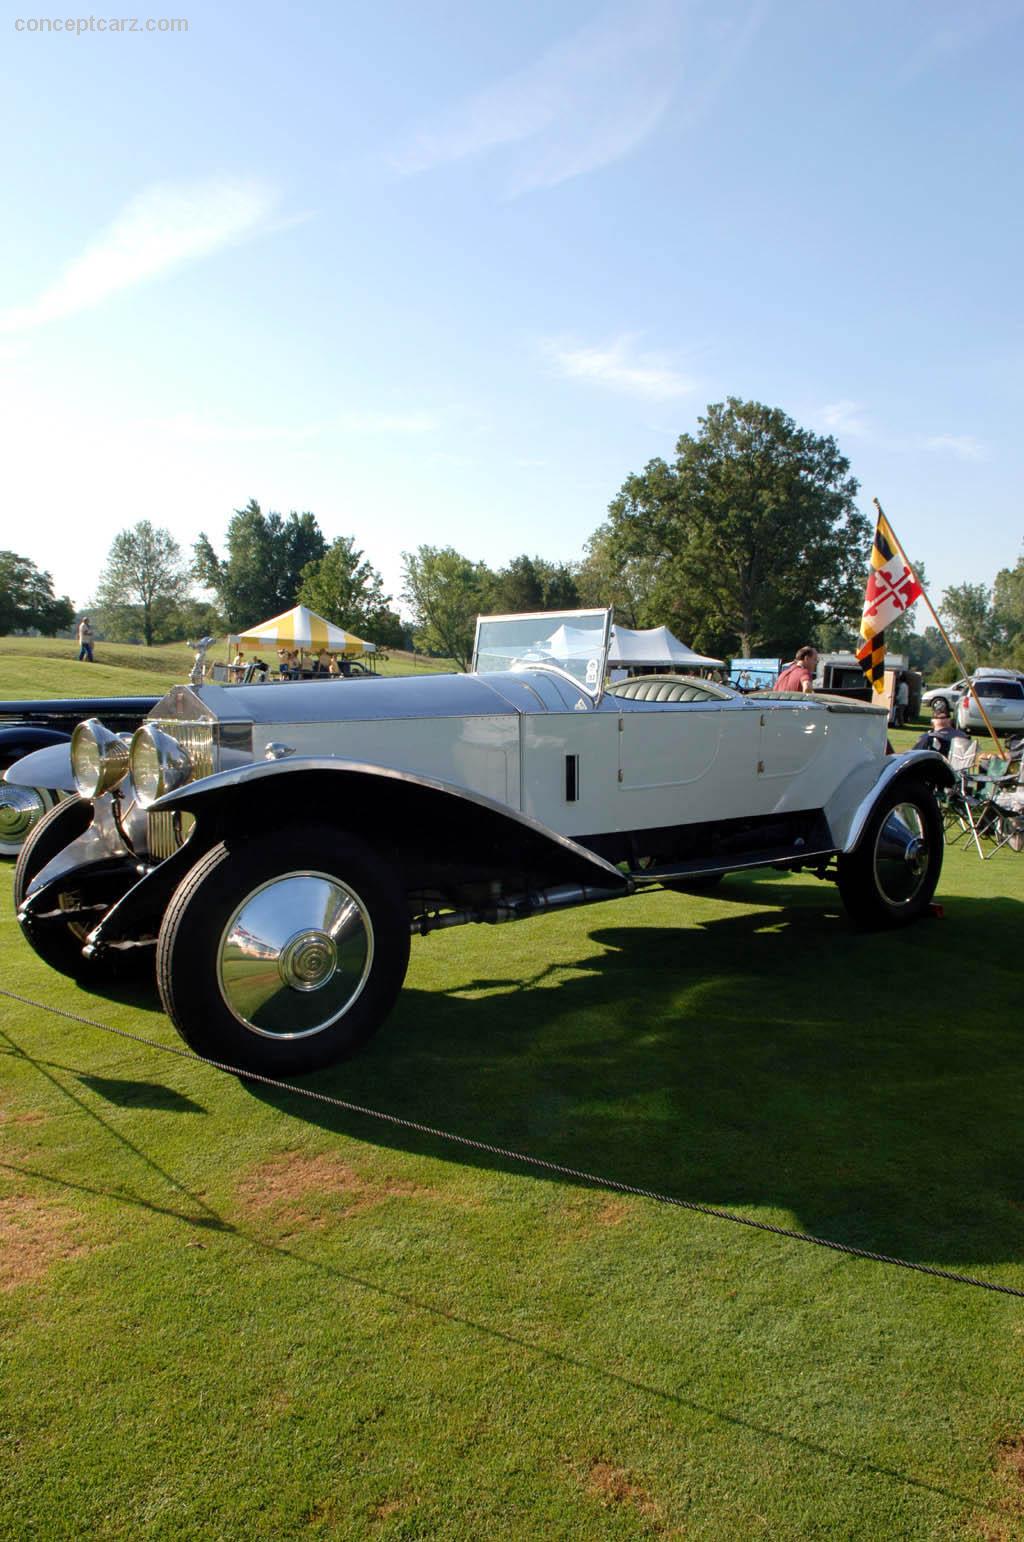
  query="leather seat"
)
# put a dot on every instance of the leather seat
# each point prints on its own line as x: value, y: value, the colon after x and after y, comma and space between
x: 666, y: 688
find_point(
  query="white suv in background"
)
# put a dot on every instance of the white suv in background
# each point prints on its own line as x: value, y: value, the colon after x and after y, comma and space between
x: 1001, y: 692
x: 947, y: 698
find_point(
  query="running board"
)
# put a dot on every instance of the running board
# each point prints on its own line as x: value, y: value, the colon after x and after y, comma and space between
x: 700, y: 867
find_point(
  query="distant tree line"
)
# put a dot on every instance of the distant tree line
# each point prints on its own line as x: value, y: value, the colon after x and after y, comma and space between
x: 749, y: 542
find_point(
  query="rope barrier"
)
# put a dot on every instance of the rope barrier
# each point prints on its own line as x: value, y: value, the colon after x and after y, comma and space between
x: 542, y: 1164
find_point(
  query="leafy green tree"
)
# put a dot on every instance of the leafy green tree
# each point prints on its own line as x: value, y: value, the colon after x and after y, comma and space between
x: 344, y: 588
x: 752, y: 533
x: 445, y: 592
x: 1008, y: 612
x: 624, y: 580
x: 27, y: 600
x: 262, y: 572
x: 144, y: 584
x: 531, y: 583
x: 967, y: 610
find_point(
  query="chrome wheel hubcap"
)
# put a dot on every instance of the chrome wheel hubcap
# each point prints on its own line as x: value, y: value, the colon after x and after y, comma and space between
x: 21, y: 809
x: 295, y: 955
x: 901, y: 854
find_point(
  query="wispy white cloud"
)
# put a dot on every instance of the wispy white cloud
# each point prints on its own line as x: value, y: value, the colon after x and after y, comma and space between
x: 587, y: 101
x: 618, y: 366
x: 158, y: 231
x: 844, y: 417
x: 850, y: 420
x: 963, y: 446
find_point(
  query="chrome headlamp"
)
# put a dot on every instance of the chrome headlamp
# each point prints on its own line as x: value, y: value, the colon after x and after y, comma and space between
x: 99, y: 758
x: 158, y: 764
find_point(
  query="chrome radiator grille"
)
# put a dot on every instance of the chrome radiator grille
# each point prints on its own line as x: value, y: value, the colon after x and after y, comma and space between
x: 167, y: 830
x: 197, y: 739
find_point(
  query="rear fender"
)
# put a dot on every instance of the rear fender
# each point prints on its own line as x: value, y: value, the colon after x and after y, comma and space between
x: 18, y: 739
x: 852, y: 805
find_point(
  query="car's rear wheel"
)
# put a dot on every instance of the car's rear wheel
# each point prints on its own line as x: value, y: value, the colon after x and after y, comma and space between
x: 889, y: 880
x: 58, y: 942
x: 283, y: 955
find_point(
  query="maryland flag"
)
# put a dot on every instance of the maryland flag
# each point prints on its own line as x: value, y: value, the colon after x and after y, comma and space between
x: 892, y: 589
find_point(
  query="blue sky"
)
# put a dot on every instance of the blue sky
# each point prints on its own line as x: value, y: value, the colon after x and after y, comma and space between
x: 447, y: 273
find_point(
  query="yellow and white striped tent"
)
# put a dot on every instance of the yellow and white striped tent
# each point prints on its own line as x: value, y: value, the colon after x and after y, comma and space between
x: 302, y: 628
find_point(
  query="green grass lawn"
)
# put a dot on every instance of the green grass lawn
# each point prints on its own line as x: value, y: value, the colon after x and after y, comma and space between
x: 231, y: 1313
x: 46, y: 666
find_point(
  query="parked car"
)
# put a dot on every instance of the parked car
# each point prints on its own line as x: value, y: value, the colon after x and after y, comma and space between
x: 1003, y: 700
x: 947, y: 698
x: 944, y: 698
x: 274, y: 850
x: 31, y: 725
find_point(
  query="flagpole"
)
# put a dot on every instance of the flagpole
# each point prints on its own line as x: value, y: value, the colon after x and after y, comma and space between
x: 945, y: 635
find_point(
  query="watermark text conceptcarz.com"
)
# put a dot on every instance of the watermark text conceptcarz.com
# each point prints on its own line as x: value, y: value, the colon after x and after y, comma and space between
x: 76, y: 25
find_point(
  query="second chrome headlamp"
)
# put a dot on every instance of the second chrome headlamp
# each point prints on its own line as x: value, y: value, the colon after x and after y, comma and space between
x: 158, y: 764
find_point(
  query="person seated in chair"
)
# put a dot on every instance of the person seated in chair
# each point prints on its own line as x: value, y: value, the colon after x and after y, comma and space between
x: 941, y: 735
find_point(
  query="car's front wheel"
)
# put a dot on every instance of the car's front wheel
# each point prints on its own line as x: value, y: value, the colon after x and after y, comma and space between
x: 890, y: 878
x: 58, y: 937
x: 283, y: 955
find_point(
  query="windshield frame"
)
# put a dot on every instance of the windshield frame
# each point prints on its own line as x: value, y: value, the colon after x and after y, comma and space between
x: 553, y: 619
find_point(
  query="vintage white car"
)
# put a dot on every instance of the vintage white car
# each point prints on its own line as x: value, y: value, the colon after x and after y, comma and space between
x: 276, y: 848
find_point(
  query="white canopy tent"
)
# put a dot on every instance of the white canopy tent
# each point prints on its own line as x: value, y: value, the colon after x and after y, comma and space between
x: 655, y: 647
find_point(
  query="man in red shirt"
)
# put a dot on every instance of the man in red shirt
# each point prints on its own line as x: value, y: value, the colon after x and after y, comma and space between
x: 799, y: 675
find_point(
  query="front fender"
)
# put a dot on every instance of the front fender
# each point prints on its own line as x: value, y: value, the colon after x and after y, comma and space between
x: 48, y: 767
x: 852, y: 806
x: 386, y: 808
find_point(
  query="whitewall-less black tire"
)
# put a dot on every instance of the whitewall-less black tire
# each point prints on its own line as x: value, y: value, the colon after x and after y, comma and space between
x: 889, y: 880
x: 283, y: 953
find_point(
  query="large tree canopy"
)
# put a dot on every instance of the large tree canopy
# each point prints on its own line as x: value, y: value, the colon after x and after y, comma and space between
x: 532, y: 583
x: 345, y: 588
x: 144, y: 585
x: 445, y: 592
x: 751, y: 536
x: 262, y: 572
x: 27, y: 600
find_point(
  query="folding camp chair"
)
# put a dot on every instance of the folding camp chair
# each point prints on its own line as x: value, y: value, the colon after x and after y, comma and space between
x: 981, y: 807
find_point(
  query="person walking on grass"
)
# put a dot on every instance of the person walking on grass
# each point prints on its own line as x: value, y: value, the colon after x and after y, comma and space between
x: 85, y: 641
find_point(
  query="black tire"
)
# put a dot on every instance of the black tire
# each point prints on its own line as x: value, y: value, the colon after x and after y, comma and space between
x: 58, y: 945
x: 889, y: 880
x: 939, y: 705
x: 285, y: 954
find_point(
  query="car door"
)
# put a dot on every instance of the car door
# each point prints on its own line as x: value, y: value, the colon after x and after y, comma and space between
x: 687, y: 762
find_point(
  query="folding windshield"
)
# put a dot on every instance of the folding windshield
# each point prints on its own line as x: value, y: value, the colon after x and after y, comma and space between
x: 573, y: 641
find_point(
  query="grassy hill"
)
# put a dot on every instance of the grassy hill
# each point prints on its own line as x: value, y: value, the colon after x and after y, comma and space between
x: 48, y: 666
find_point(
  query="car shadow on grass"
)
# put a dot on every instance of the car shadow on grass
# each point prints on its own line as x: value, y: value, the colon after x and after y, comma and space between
x: 758, y: 1059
